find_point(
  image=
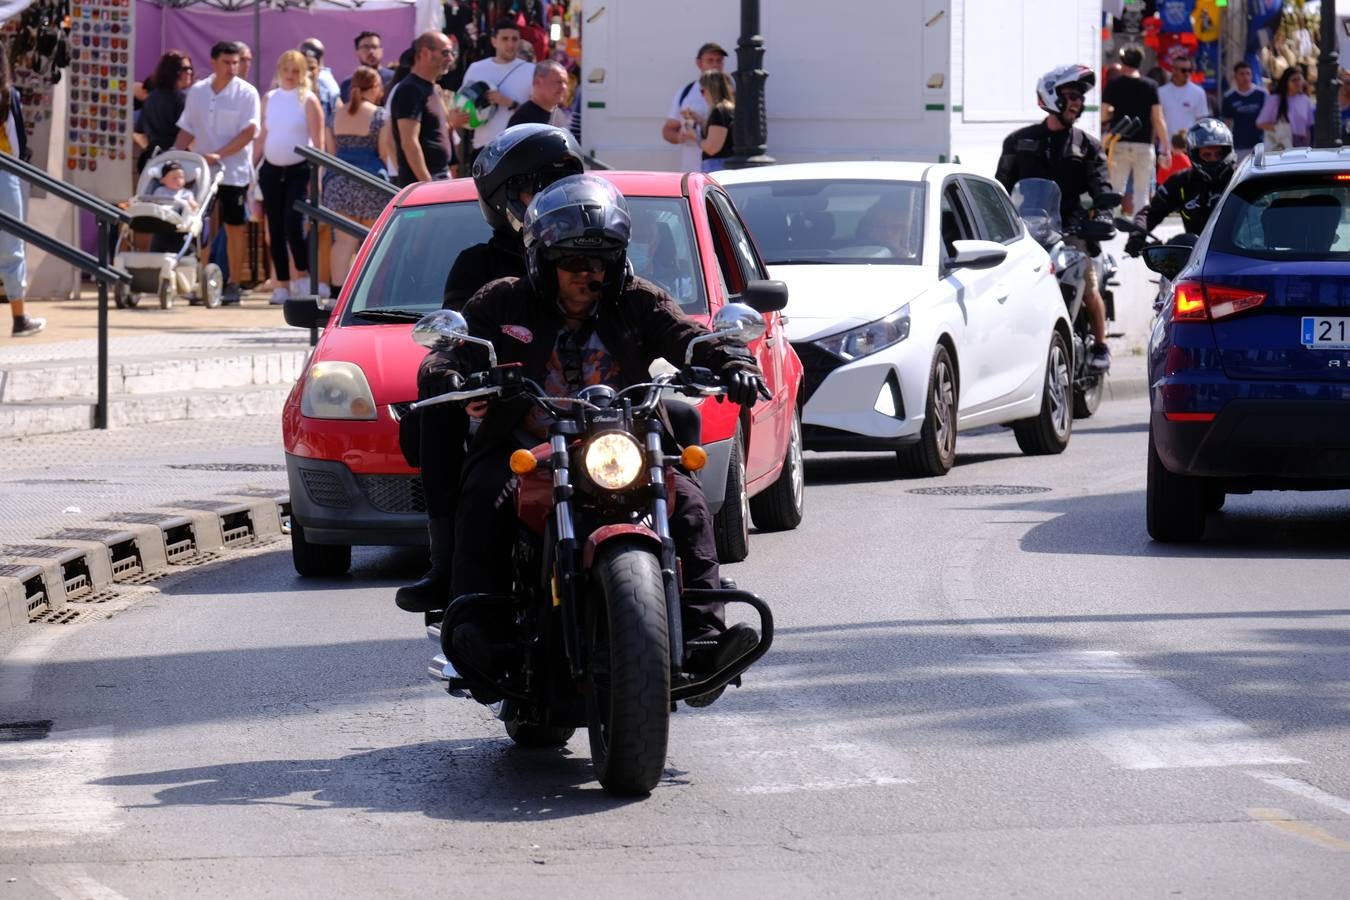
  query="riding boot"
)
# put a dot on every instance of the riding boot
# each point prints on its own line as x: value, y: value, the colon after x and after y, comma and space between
x: 433, y: 590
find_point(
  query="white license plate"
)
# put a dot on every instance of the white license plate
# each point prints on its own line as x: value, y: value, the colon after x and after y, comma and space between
x: 1326, y: 332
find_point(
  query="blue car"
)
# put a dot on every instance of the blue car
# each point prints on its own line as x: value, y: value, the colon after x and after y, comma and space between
x: 1249, y: 359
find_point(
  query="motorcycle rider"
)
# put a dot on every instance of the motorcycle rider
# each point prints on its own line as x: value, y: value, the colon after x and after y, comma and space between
x: 1056, y: 149
x: 1194, y: 192
x: 580, y: 318
x: 507, y: 173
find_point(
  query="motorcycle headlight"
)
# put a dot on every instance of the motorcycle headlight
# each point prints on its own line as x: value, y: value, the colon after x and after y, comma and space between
x: 613, y: 460
x: 868, y: 339
x: 337, y: 390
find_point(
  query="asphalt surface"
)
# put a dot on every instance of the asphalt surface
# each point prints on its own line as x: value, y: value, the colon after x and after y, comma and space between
x: 990, y: 684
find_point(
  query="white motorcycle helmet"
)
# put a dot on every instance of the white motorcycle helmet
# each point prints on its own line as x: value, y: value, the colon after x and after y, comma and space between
x: 1049, y: 85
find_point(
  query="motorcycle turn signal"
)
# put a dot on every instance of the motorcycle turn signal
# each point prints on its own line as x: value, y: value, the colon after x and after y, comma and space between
x: 523, y: 462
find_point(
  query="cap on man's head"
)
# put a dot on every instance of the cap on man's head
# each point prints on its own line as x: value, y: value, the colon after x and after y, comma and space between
x: 710, y: 47
x: 312, y: 47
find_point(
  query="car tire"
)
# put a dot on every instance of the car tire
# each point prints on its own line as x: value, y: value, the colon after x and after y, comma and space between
x: 1175, y: 504
x: 1215, y: 496
x: 731, y: 524
x: 780, y: 507
x: 1048, y: 432
x: 317, y: 560
x: 1088, y: 396
x: 935, y: 452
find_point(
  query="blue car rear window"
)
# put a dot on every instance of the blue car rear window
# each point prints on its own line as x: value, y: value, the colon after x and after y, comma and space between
x: 1294, y: 217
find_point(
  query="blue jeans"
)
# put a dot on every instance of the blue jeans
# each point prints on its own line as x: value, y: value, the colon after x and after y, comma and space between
x: 714, y: 165
x: 13, y: 268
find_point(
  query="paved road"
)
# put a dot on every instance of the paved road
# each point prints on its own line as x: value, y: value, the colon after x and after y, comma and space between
x: 990, y: 684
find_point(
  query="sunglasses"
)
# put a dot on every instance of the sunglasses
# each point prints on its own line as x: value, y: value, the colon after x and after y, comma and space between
x: 1184, y: 70
x: 579, y: 264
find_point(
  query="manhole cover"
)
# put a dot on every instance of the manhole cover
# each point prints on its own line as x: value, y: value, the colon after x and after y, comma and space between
x: 34, y: 730
x: 981, y: 490
x: 231, y: 467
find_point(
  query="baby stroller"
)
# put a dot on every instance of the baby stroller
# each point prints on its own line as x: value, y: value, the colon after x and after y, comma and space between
x: 170, y: 269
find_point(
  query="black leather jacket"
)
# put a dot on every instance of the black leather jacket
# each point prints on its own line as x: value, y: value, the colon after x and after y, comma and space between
x: 1079, y: 166
x: 1187, y: 192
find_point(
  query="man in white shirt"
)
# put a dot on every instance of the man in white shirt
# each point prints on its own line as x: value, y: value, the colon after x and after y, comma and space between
x: 689, y: 108
x: 1183, y: 101
x: 220, y: 120
x: 511, y: 77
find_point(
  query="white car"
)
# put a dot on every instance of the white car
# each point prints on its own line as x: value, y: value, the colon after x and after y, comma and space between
x: 920, y: 307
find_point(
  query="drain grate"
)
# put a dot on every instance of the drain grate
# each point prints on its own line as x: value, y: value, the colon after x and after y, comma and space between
x: 64, y: 616
x: 33, y: 730
x: 980, y: 490
x: 231, y: 467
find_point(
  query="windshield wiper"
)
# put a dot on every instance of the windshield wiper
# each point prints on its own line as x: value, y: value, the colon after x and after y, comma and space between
x: 391, y: 315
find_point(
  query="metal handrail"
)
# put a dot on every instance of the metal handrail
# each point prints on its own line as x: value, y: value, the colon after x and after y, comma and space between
x: 32, y: 174
x: 328, y: 217
x: 332, y: 163
x: 85, y: 262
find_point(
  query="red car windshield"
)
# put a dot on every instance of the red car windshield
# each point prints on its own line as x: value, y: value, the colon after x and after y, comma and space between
x: 412, y: 257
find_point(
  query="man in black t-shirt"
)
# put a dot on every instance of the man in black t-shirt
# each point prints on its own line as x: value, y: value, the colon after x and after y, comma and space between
x: 422, y: 136
x: 1131, y: 158
x: 546, y: 95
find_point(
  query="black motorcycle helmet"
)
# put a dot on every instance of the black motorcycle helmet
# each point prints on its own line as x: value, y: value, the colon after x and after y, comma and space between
x: 1210, y: 132
x: 522, y: 158
x: 581, y: 215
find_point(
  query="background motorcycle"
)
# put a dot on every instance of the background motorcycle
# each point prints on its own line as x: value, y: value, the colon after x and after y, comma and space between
x: 1038, y: 203
x: 591, y: 631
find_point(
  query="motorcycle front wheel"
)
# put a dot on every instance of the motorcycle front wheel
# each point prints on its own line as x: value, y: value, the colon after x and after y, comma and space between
x: 628, y: 693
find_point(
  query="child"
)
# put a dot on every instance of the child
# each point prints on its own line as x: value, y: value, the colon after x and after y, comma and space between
x: 173, y: 183
x: 1180, y: 160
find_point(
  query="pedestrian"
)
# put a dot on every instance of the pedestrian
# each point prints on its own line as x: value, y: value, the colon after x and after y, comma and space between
x: 719, y: 95
x: 369, y: 52
x: 361, y: 138
x: 245, y: 60
x: 157, y: 127
x: 13, y: 262
x: 221, y: 117
x: 291, y: 117
x: 421, y: 121
x: 1132, y: 155
x: 1241, y: 107
x: 688, y: 107
x: 546, y: 96
x: 508, y: 78
x: 1287, y: 115
x: 325, y: 83
x: 1183, y: 101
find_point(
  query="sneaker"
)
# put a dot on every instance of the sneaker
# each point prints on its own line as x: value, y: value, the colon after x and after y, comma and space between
x: 711, y: 655
x: 231, y: 294
x: 300, y: 287
x: 1101, y: 358
x: 325, y: 292
x: 26, y: 326
x: 279, y: 296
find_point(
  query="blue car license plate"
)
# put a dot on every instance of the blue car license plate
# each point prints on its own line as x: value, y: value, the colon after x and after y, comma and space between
x: 1326, y: 333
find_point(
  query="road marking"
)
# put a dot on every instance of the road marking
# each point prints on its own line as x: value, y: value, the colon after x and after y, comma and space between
x: 71, y: 882
x: 51, y: 792
x: 1282, y: 821
x: 1304, y: 790
x: 1134, y: 718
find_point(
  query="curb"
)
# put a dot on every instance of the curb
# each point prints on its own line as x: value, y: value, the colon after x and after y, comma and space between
x: 39, y: 579
x: 1127, y: 388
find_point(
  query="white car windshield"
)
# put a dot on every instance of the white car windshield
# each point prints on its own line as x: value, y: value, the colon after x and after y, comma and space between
x: 834, y: 222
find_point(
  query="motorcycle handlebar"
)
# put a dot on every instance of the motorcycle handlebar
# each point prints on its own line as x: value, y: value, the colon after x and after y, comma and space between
x: 683, y: 382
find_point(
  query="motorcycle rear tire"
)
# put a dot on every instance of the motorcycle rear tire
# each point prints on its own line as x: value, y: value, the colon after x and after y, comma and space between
x: 628, y: 692
x: 529, y: 734
x: 1088, y: 396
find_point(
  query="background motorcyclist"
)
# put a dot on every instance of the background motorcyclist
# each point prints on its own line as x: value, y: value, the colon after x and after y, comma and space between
x: 1057, y: 149
x: 1195, y: 192
x: 579, y: 319
x: 507, y: 173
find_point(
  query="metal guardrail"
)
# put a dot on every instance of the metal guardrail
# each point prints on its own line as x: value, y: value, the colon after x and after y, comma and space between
x: 100, y: 268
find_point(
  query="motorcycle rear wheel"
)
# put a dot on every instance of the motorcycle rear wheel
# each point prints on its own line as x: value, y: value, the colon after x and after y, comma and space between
x: 628, y: 692
x: 1087, y: 396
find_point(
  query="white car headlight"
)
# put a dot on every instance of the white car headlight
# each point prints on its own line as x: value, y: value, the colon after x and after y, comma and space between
x: 337, y: 390
x: 613, y: 460
x: 868, y: 339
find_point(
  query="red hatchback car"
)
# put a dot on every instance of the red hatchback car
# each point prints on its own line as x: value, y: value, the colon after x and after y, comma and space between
x: 349, y: 482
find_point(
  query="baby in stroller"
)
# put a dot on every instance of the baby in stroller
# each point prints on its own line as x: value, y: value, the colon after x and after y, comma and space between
x: 172, y: 199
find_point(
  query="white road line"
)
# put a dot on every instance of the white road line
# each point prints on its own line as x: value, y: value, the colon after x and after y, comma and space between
x: 1304, y: 790
x: 1134, y: 718
x: 70, y: 882
x: 50, y: 792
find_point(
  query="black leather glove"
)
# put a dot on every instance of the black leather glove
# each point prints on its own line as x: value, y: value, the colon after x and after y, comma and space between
x: 743, y: 386
x: 436, y: 375
x: 1135, y: 244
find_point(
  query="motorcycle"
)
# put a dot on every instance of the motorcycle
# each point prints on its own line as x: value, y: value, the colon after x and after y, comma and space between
x: 1038, y: 203
x: 591, y: 631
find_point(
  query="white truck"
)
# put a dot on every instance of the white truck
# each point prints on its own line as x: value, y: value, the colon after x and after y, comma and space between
x: 939, y: 80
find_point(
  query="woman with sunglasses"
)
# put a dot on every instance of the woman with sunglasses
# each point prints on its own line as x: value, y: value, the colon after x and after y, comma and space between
x: 157, y: 127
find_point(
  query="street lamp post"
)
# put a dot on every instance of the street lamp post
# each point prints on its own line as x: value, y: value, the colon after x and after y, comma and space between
x: 1327, y: 129
x: 749, y: 130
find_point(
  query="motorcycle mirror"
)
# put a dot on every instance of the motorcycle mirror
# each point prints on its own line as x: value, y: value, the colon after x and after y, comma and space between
x: 440, y: 330
x: 739, y: 319
x: 1109, y: 200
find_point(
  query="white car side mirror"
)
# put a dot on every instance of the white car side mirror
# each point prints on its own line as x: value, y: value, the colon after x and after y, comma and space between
x: 978, y: 254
